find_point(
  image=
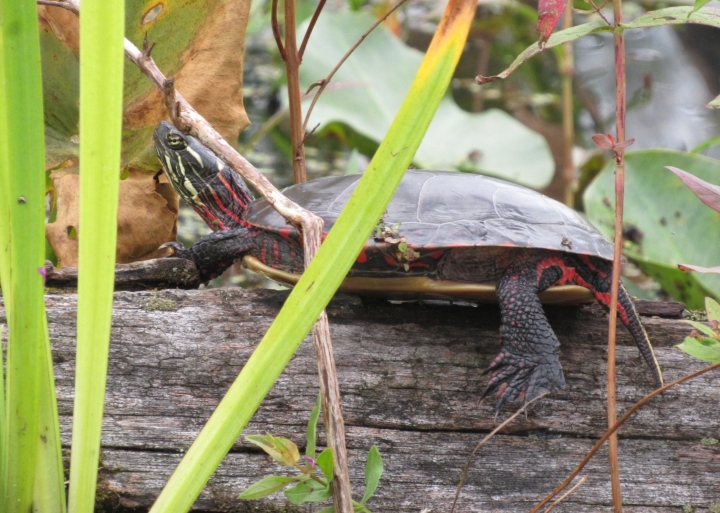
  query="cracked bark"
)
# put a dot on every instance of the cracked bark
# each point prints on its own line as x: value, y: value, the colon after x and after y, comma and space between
x: 411, y: 382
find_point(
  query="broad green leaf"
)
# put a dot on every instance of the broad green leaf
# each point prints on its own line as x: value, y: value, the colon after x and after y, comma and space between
x: 669, y: 224
x: 368, y: 89
x: 706, y: 349
x: 281, y: 449
x: 312, y: 428
x: 101, y: 78
x: 330, y: 509
x: 702, y: 328
x: 308, y: 491
x: 325, y: 462
x: 373, y: 471
x: 327, y: 270
x: 267, y: 486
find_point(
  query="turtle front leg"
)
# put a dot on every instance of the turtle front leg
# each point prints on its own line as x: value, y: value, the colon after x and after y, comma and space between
x: 215, y: 252
x: 528, y: 364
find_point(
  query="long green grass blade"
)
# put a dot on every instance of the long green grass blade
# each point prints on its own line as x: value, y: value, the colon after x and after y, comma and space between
x: 101, y: 86
x: 50, y: 474
x: 24, y: 170
x: 333, y: 260
x: 4, y: 261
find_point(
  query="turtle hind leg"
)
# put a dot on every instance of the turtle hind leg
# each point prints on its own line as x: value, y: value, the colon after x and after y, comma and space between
x: 596, y: 275
x: 528, y: 364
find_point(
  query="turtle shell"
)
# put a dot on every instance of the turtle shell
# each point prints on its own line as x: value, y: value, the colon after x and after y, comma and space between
x: 437, y: 209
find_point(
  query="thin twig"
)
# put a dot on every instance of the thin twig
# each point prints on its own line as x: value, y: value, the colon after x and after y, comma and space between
x: 614, y: 428
x: 599, y: 11
x: 566, y: 494
x: 276, y: 29
x: 492, y: 433
x: 324, y: 83
x: 310, y: 28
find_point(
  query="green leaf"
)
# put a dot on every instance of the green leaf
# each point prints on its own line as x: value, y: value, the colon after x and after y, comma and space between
x: 671, y: 225
x: 707, y: 330
x: 706, y: 144
x: 312, y: 428
x: 713, y: 312
x: 706, y: 349
x: 281, y: 449
x: 369, y: 88
x: 329, y: 509
x: 308, y: 491
x: 325, y: 462
x: 266, y: 486
x: 373, y: 471
x: 360, y: 508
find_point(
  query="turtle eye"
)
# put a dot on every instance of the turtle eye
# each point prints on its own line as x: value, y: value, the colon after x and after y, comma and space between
x: 175, y: 141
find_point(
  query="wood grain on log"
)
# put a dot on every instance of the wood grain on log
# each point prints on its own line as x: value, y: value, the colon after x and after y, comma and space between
x: 410, y: 375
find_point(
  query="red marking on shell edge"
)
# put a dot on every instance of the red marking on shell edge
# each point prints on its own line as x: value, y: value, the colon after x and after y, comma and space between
x: 436, y: 254
x: 390, y: 260
x: 276, y: 251
x: 362, y: 257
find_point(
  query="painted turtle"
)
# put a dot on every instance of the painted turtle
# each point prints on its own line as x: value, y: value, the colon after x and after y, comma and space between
x: 443, y: 234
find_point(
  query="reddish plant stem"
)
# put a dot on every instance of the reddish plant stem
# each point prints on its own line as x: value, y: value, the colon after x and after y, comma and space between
x: 310, y: 28
x: 276, y: 28
x: 567, y: 71
x: 620, y: 101
x: 292, y: 66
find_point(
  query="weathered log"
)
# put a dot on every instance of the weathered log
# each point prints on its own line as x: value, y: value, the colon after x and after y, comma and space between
x: 411, y: 378
x: 159, y: 273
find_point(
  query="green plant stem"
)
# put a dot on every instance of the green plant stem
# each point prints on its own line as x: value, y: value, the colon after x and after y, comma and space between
x: 333, y: 260
x: 101, y: 85
x: 23, y: 167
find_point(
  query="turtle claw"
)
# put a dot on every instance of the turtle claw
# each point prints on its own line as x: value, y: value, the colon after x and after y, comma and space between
x: 177, y: 250
x: 517, y: 379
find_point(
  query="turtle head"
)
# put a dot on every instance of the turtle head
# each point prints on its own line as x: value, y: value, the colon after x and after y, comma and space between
x: 209, y: 186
